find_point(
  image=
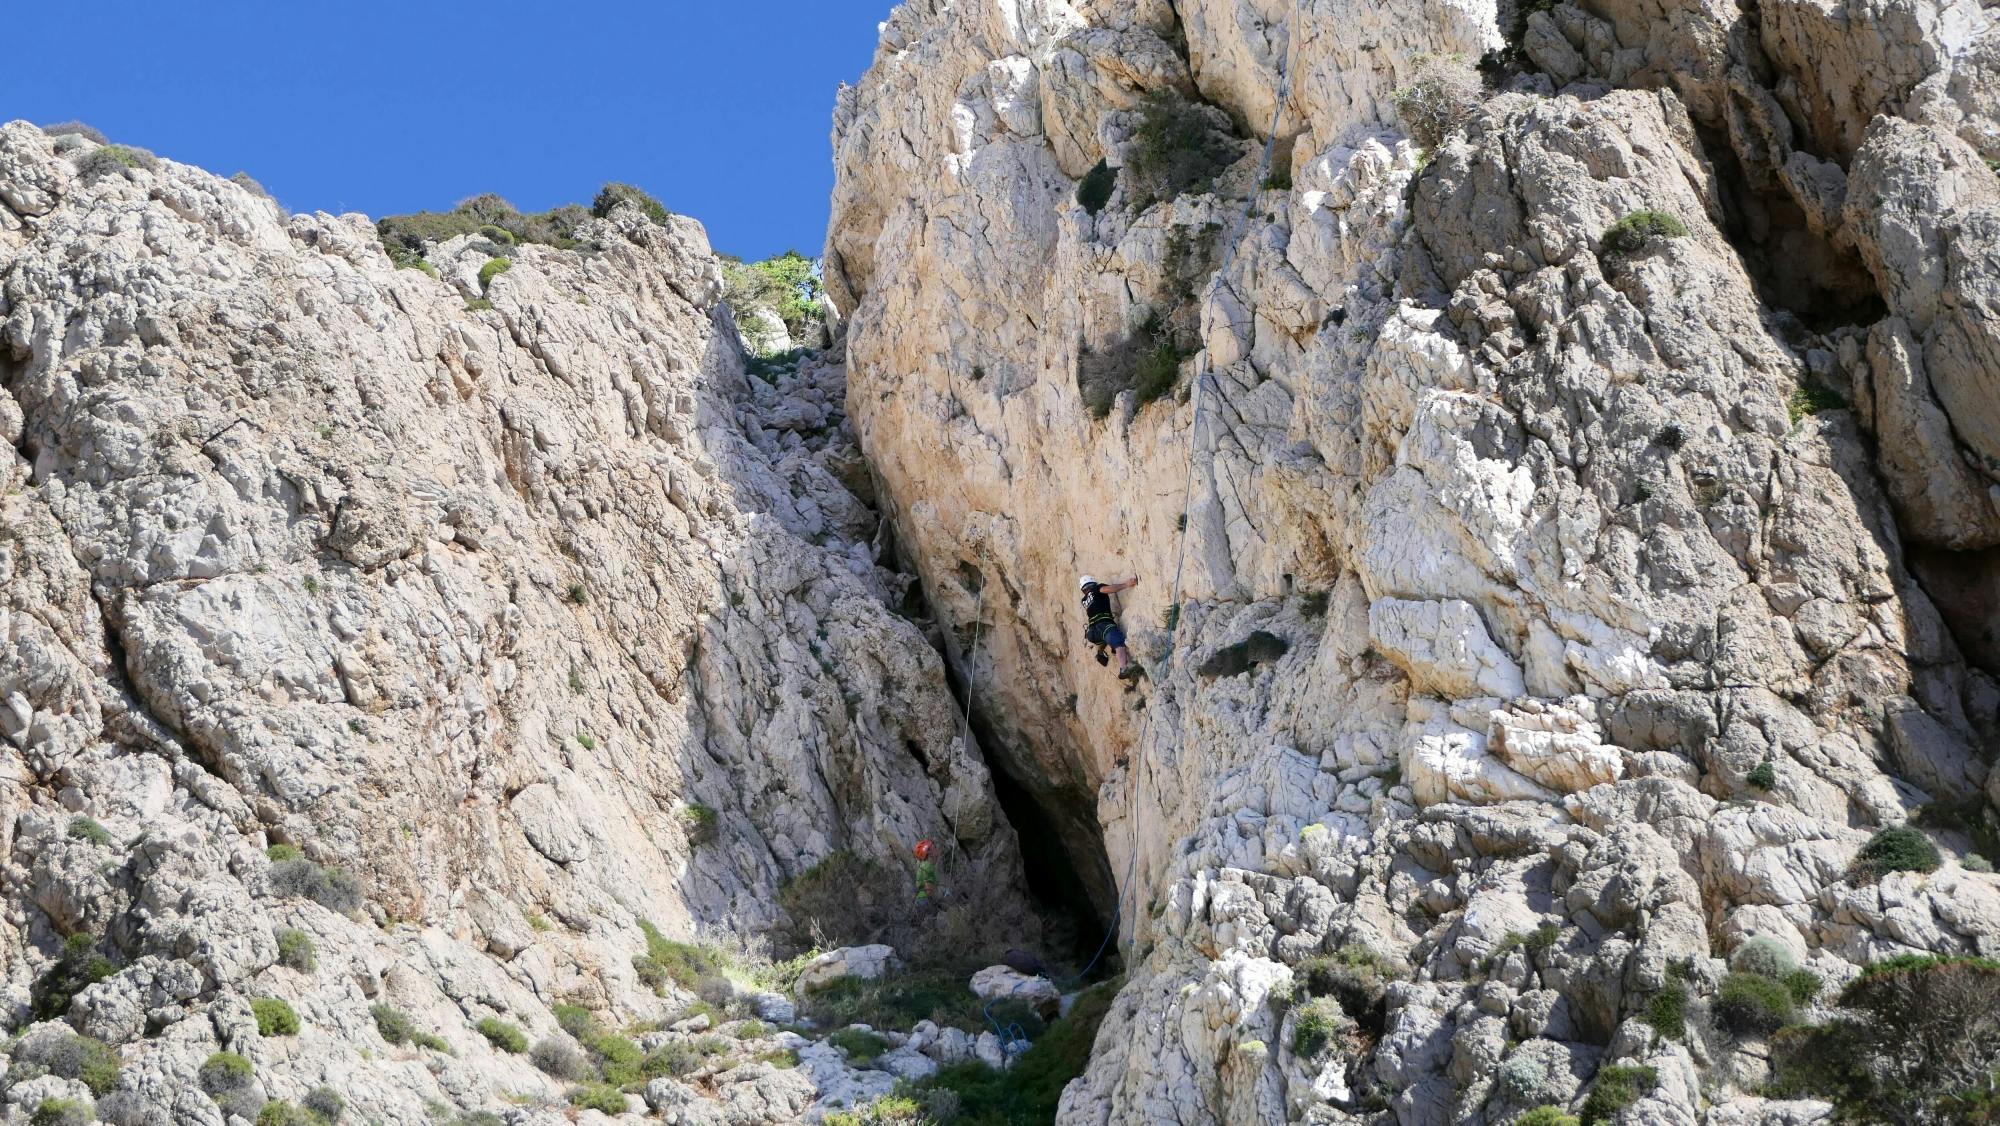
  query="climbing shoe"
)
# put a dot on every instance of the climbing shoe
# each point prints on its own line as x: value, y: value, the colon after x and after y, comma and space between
x: 1131, y: 672
x: 1103, y: 658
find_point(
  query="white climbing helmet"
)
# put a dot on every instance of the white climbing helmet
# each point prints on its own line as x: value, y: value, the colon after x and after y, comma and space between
x: 1086, y: 582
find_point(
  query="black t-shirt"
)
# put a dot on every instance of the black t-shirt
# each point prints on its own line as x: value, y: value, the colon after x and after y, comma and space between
x: 1096, y: 603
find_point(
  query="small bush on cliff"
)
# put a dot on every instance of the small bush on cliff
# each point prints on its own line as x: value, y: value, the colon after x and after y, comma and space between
x: 1616, y: 1088
x: 1917, y: 1039
x: 82, y: 828
x: 598, y: 1096
x: 404, y: 237
x: 1094, y: 190
x: 331, y: 888
x: 275, y: 1017
x: 76, y: 968
x: 844, y: 900
x: 108, y: 160
x: 1640, y: 229
x: 1145, y: 362
x: 611, y: 195
x: 278, y: 1112
x: 503, y: 1035
x: 84, y: 1058
x: 1029, y: 1091
x: 1809, y: 399
x: 558, y: 1058
x: 295, y: 949
x: 1764, y: 775
x: 1752, y: 1003
x: 1763, y: 955
x: 63, y: 1112
x: 788, y: 284
x: 1438, y: 100
x: 1179, y: 146
x: 1666, y: 1011
x: 1521, y: 1078
x: 1547, y: 1116
x: 325, y: 1103
x: 1899, y: 849
x: 1314, y: 1025
x: 493, y: 268
x: 75, y: 129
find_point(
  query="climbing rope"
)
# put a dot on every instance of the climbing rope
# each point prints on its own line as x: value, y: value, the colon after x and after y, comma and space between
x: 1011, y: 1035
x: 1203, y: 382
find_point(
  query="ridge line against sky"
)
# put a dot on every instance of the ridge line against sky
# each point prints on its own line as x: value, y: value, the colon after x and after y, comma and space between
x: 722, y: 111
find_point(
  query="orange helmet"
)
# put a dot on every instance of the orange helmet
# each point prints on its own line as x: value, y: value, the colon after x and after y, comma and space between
x: 925, y: 848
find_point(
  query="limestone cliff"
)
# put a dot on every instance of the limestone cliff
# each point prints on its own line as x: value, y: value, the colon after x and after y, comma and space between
x: 1553, y: 569
x: 505, y: 600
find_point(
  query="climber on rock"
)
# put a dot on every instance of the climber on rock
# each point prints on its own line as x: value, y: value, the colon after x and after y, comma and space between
x: 1101, y: 624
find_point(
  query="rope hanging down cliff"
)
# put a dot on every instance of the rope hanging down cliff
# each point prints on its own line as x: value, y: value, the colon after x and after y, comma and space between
x: 1203, y: 382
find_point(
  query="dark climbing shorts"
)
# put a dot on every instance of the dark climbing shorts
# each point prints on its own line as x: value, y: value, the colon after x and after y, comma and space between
x: 1105, y: 633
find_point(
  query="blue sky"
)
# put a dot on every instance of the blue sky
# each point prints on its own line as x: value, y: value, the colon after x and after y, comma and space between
x: 722, y: 110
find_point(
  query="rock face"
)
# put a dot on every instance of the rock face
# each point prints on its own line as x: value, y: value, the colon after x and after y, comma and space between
x: 532, y: 615
x: 1580, y: 571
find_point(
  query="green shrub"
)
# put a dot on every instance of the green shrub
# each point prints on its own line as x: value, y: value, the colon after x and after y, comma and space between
x: 1521, y: 1078
x: 618, y: 1059
x: 1666, y: 1011
x: 107, y: 160
x: 598, y: 1096
x: 1546, y: 1116
x: 611, y: 195
x: 675, y: 1059
x: 1914, y: 1036
x: 700, y: 822
x: 1029, y: 1091
x: 325, y: 1103
x: 1753, y: 1003
x: 1974, y: 862
x: 84, y: 1058
x: 1811, y: 398
x: 788, y: 284
x: 1763, y: 955
x: 275, y: 1017
x: 1178, y: 147
x: 393, y: 1023
x: 897, y: 1002
x: 78, y: 967
x: 493, y: 268
x: 558, y: 1058
x: 224, y: 1072
x: 1764, y: 775
x: 1357, y: 979
x: 278, y: 1112
x: 63, y: 1112
x: 331, y: 888
x: 1803, y: 985
x: 1145, y: 362
x: 1438, y: 100
x: 404, y: 237
x: 1314, y: 1025
x: 667, y: 960
x: 1094, y: 190
x: 279, y: 853
x: 1899, y: 849
x: 430, y: 1041
x: 860, y: 1047
x: 84, y: 829
x: 76, y: 129
x: 1616, y: 1088
x: 845, y: 898
x: 1640, y: 229
x: 503, y: 1035
x: 295, y: 949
